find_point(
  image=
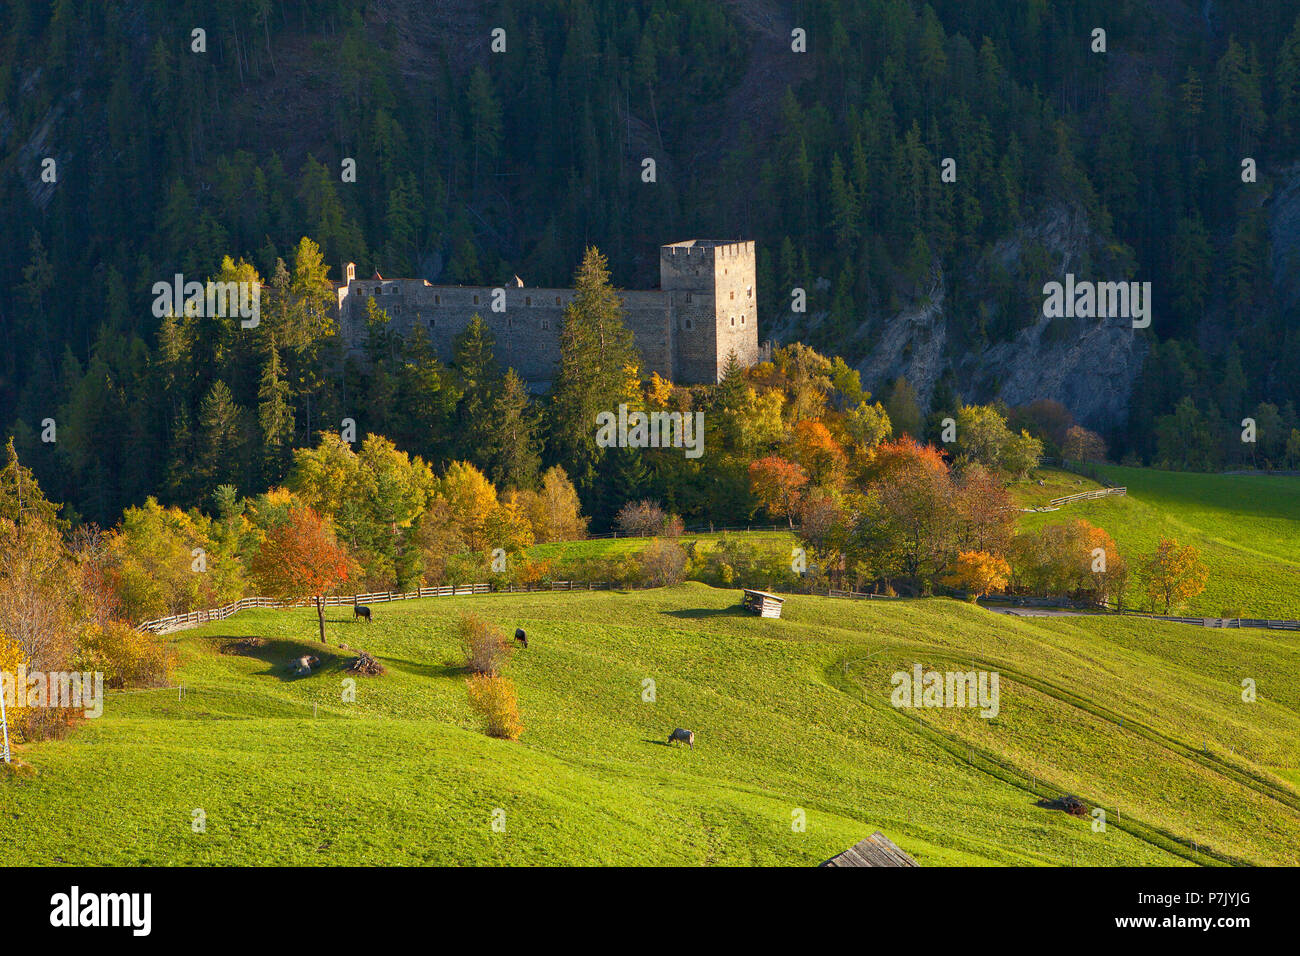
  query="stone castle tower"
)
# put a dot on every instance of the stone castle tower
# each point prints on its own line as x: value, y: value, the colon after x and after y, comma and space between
x: 704, y: 309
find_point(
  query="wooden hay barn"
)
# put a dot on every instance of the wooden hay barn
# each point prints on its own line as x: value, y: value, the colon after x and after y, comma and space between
x: 875, y: 850
x: 762, y: 603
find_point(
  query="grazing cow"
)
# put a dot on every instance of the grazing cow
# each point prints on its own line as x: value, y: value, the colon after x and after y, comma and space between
x: 521, y: 637
x: 360, y: 610
x: 685, y: 736
x: 303, y: 665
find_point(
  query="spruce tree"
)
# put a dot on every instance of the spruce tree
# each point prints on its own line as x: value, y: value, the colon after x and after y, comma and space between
x: 274, y: 415
x: 514, y: 461
x: 599, y: 368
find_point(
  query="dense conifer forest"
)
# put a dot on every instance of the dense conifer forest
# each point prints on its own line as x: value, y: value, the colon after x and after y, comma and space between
x: 475, y: 166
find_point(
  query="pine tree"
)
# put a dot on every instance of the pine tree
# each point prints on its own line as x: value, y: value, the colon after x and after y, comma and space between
x: 599, y: 368
x: 514, y: 461
x: 479, y: 375
x: 274, y: 415
x: 219, y: 441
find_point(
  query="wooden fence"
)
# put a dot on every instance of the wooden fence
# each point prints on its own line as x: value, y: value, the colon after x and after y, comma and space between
x: 1065, y: 604
x: 1086, y: 495
x: 178, y: 622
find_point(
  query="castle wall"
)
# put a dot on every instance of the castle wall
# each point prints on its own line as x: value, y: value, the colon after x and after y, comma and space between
x: 684, y: 330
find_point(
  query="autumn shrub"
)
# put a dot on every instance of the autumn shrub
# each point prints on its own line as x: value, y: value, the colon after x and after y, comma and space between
x: 641, y: 519
x: 486, y: 648
x: 27, y: 723
x: 979, y: 573
x: 534, y: 572
x: 125, y: 656
x: 494, y: 700
x: 11, y: 659
x: 663, y: 563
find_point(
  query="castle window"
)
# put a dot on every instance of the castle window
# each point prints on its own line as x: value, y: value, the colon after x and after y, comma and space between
x: 688, y: 297
x: 557, y: 300
x: 689, y: 324
x: 750, y: 292
x: 431, y: 323
x: 397, y: 309
x: 733, y: 293
x: 742, y: 319
x: 528, y: 300
x: 476, y: 300
x: 733, y: 320
x: 437, y: 300
x: 546, y: 324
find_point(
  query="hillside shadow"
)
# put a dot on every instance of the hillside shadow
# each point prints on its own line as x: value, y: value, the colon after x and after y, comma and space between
x: 705, y: 612
x: 420, y: 669
x: 278, y: 655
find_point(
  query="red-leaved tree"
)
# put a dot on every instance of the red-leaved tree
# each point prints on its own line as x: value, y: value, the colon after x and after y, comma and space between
x: 301, y: 559
x: 778, y: 485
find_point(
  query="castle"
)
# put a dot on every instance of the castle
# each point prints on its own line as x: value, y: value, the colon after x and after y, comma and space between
x: 704, y: 309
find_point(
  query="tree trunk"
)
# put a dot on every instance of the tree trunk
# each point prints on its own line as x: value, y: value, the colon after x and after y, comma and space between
x: 320, y: 612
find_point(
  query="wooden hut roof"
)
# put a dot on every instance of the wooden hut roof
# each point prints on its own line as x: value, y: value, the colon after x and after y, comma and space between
x: 875, y: 850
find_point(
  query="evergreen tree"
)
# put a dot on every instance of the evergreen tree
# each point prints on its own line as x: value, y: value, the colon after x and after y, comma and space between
x: 274, y: 415
x: 599, y: 369
x: 514, y: 460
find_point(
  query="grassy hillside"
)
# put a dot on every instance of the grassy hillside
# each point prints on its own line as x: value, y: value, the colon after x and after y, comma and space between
x: 789, y: 714
x: 1247, y: 528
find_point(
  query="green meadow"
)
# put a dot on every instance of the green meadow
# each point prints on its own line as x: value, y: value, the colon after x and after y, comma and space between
x: 799, y: 752
x: 1247, y: 528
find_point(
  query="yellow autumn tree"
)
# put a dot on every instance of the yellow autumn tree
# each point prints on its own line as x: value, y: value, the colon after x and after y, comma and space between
x: 554, y: 512
x: 979, y: 572
x: 12, y: 658
x: 1174, y: 575
x: 471, y: 502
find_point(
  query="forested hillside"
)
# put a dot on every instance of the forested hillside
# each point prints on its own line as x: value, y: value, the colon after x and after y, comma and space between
x: 475, y: 166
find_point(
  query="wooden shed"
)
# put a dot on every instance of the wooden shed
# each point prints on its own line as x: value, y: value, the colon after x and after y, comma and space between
x: 875, y: 850
x: 762, y: 603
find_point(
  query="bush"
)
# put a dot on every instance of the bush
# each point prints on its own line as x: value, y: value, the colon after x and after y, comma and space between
x: 12, y: 658
x: 28, y: 723
x: 486, y: 648
x: 494, y: 699
x: 125, y: 656
x: 663, y: 563
x: 640, y: 519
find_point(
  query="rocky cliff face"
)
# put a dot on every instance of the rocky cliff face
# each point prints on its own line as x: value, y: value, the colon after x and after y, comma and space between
x: 1089, y: 365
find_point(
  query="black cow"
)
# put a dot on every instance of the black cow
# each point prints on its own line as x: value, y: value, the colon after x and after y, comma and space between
x: 360, y: 610
x: 521, y: 637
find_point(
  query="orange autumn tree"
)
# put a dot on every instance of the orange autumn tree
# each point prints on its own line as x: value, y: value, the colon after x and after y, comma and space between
x: 819, y: 453
x: 1173, y: 574
x: 980, y: 573
x: 778, y: 485
x: 299, y: 559
x: 902, y: 455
